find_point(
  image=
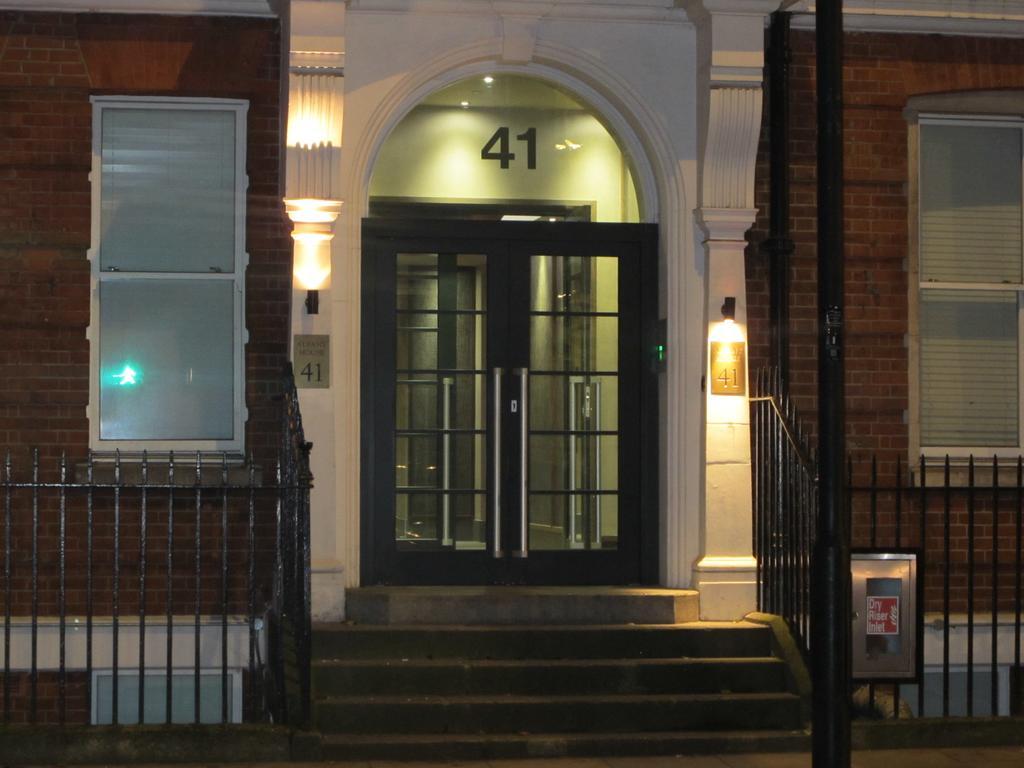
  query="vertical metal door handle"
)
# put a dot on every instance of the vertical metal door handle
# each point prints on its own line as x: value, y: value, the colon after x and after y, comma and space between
x: 447, y: 384
x: 524, y: 432
x: 496, y: 415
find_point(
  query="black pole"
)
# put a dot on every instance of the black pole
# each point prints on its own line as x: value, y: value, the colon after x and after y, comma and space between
x: 779, y: 246
x: 830, y: 615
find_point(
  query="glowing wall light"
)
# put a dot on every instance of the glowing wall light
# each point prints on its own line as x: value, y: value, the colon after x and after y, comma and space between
x: 315, y: 110
x: 728, y: 353
x: 311, y: 269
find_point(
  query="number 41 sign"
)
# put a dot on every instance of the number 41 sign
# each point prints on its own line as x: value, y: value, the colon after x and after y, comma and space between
x: 311, y: 361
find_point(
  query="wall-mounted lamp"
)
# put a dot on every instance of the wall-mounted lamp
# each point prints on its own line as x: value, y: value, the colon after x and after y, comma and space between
x: 313, y: 233
x: 728, y: 354
x: 729, y: 309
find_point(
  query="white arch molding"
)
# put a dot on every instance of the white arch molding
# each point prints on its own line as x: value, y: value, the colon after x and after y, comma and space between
x: 664, y: 182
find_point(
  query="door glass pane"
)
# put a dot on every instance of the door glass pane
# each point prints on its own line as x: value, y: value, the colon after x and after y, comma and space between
x: 440, y: 428
x: 440, y: 521
x: 575, y: 284
x: 574, y: 343
x: 573, y: 449
x: 574, y: 403
x: 574, y: 521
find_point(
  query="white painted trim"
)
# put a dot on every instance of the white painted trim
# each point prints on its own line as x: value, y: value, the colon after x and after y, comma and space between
x: 642, y: 11
x: 260, y: 8
x: 987, y: 18
x: 241, y: 335
x: 183, y: 646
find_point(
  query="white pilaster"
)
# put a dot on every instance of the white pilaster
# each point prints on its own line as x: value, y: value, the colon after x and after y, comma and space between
x: 730, y: 60
x: 315, y: 115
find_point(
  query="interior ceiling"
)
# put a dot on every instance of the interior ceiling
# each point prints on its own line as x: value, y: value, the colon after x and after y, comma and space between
x: 505, y: 91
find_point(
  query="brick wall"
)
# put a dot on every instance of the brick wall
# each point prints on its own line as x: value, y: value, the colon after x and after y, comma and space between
x: 50, y: 64
x: 882, y: 71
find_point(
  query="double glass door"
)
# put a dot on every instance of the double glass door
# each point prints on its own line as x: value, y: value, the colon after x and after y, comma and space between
x: 504, y: 393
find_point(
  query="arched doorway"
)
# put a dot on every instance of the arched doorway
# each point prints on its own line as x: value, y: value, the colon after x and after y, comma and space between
x: 508, y: 390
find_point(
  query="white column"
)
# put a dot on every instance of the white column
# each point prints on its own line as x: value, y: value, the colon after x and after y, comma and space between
x: 726, y: 574
x: 730, y: 37
x: 315, y: 113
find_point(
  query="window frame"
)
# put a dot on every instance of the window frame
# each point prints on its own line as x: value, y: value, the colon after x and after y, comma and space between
x: 967, y: 115
x: 235, y: 445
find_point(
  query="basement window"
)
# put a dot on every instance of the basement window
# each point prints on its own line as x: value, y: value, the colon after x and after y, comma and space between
x: 155, y: 697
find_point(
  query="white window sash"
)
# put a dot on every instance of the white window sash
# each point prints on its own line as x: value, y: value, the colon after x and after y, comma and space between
x: 954, y: 451
x: 236, y: 445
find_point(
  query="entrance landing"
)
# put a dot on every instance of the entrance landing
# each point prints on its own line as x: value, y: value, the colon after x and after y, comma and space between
x: 520, y: 605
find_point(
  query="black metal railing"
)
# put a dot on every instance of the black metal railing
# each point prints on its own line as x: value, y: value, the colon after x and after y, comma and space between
x: 292, y: 591
x: 964, y: 519
x: 785, y: 504
x: 157, y: 589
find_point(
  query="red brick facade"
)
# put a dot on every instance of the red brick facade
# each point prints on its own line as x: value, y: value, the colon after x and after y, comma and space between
x: 50, y: 64
x: 882, y: 71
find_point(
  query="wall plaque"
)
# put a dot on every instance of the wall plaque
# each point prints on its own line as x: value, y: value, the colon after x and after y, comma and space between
x: 728, y: 368
x: 311, y: 361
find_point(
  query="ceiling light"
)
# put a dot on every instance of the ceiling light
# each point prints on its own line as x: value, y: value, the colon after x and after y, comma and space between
x: 463, y: 104
x: 488, y: 79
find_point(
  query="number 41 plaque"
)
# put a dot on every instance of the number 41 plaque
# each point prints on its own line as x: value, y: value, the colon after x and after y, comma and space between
x: 728, y: 368
x: 311, y: 361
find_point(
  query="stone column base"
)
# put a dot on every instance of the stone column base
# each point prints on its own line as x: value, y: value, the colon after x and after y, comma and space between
x: 727, y: 586
x: 328, y: 586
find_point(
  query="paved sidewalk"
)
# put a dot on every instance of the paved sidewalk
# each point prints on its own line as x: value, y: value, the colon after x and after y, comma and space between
x: 998, y: 757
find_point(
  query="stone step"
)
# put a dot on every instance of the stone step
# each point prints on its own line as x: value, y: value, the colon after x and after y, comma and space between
x: 656, y: 641
x: 536, y: 677
x: 555, y: 714
x: 520, y: 746
x: 520, y: 605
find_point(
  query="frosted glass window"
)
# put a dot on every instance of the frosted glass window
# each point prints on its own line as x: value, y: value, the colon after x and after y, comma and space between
x: 155, y: 705
x: 168, y: 190
x: 969, y: 379
x: 970, y: 204
x: 167, y: 359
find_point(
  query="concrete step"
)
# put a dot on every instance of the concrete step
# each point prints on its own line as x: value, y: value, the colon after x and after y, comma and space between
x: 656, y: 641
x: 520, y: 605
x: 393, y: 677
x: 519, y: 746
x: 555, y: 714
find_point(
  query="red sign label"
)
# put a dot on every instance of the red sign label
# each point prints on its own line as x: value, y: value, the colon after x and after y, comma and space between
x: 883, y: 615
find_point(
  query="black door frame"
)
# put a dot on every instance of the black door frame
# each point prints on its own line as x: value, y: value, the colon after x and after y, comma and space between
x: 379, y: 562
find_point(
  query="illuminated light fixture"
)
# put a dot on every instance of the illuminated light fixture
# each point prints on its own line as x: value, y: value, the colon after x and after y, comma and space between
x: 464, y: 104
x: 729, y: 309
x: 311, y: 268
x: 728, y: 356
x: 310, y: 211
x: 569, y: 144
x: 315, y: 110
x: 488, y: 79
